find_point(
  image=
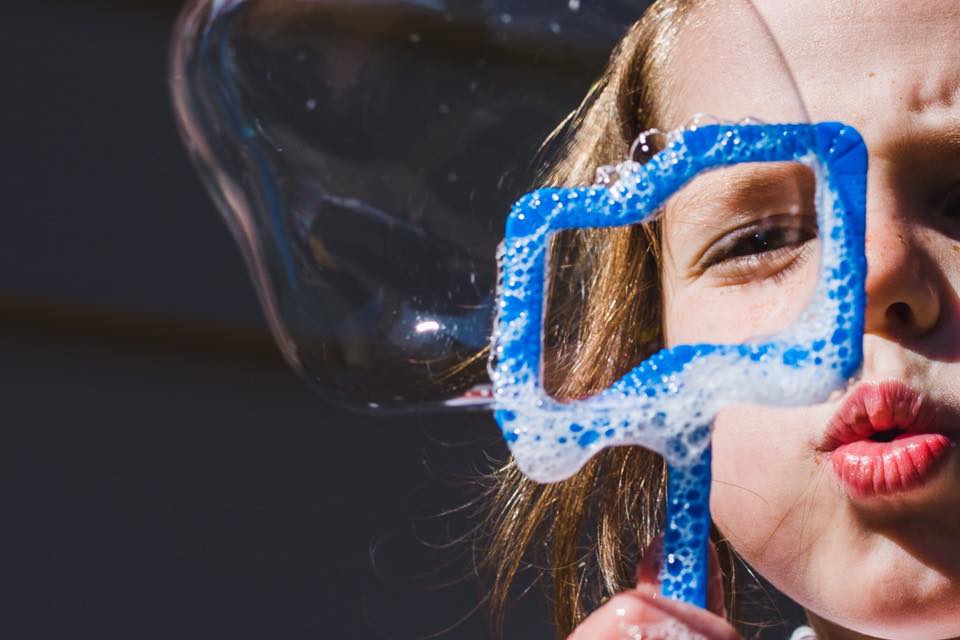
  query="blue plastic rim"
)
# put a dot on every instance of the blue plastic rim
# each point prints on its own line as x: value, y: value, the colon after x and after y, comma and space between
x: 668, y: 402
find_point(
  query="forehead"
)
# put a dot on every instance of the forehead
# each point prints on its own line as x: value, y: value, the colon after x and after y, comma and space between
x: 865, y: 62
x: 875, y: 65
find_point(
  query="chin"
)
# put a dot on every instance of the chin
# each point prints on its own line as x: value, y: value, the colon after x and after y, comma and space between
x: 914, y: 626
x: 891, y: 598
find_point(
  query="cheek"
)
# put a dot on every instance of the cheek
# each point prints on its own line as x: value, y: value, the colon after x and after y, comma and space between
x: 700, y: 311
x: 703, y: 314
x: 783, y: 513
x: 769, y: 497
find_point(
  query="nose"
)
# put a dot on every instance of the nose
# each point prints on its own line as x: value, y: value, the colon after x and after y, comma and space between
x: 903, y: 298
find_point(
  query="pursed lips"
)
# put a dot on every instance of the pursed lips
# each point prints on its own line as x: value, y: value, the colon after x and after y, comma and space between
x: 887, y: 438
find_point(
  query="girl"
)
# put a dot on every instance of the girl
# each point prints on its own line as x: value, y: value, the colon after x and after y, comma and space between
x: 859, y: 530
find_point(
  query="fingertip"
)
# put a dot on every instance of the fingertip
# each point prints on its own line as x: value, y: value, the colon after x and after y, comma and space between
x: 648, y: 571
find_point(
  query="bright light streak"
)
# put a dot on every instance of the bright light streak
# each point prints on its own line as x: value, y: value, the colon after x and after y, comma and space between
x: 427, y: 325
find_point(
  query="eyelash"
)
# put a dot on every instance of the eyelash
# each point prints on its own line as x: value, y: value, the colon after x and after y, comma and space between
x: 748, y: 266
x: 951, y: 203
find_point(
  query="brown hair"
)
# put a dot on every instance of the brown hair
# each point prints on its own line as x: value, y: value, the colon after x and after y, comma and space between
x: 589, y: 531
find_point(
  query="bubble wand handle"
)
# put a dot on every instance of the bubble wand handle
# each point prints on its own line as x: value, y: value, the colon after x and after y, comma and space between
x: 684, y: 574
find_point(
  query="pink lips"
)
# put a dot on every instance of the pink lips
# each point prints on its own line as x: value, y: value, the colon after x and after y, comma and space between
x: 885, y: 439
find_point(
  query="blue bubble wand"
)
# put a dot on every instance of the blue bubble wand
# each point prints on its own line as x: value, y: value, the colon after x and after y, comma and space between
x: 668, y: 402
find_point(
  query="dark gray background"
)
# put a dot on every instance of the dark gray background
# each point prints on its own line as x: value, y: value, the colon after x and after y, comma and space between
x: 162, y: 473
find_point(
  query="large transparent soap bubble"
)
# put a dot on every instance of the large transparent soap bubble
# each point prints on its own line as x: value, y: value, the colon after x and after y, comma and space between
x: 365, y: 155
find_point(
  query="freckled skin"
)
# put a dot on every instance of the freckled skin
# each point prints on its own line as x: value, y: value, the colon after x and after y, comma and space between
x: 887, y: 568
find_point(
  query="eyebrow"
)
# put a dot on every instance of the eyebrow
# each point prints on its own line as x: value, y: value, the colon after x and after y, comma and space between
x: 923, y: 138
x: 743, y: 187
x: 946, y: 93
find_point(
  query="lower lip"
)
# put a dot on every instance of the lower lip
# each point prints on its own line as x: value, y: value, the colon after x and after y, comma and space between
x: 871, y: 468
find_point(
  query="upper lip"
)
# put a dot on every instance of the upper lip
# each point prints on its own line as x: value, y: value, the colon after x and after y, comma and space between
x: 874, y: 407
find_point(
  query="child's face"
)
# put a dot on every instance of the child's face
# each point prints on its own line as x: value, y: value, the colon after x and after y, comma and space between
x: 865, y: 535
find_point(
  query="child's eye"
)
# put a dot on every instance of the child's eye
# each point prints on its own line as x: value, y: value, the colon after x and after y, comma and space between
x: 951, y: 205
x: 763, y: 240
x: 760, y: 249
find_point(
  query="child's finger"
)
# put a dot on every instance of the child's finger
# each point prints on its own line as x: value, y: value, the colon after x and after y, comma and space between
x: 648, y: 571
x: 645, y: 614
x: 699, y: 621
x: 619, y: 618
